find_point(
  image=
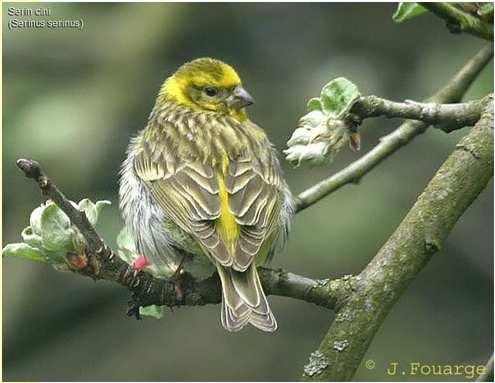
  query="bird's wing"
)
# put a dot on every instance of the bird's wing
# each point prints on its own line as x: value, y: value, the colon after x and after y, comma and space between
x: 190, y: 192
x: 255, y: 201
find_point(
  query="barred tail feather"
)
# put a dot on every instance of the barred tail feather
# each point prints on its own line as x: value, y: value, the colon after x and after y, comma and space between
x: 243, y: 300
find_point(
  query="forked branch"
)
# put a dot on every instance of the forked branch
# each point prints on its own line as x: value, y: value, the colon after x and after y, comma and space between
x: 452, y: 92
x: 421, y: 234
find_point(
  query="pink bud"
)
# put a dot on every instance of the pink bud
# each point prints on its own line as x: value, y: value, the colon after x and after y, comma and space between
x: 140, y: 262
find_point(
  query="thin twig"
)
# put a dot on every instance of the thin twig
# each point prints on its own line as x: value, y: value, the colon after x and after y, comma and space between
x: 459, y: 21
x: 452, y: 92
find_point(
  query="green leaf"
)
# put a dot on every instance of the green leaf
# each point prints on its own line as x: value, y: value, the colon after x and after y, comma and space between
x: 89, y: 208
x: 338, y: 96
x: 485, y: 9
x: 23, y: 250
x: 92, y: 210
x: 407, y: 11
x: 125, y: 243
x: 314, y: 104
x: 30, y: 238
x: 35, y: 219
x: 50, y: 234
x: 54, y: 257
x: 56, y: 232
x: 100, y: 205
x: 152, y: 311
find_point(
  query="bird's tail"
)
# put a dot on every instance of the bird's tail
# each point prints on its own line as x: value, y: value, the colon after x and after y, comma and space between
x: 243, y: 300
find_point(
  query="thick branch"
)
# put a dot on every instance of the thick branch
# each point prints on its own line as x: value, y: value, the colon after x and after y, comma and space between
x: 460, y: 21
x: 102, y: 263
x: 447, y: 117
x: 420, y: 235
x: 452, y: 92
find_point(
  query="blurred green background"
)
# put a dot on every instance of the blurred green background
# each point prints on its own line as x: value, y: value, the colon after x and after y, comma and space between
x: 73, y: 98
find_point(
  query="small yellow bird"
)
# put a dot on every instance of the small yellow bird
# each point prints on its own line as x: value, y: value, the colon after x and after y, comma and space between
x: 202, y: 189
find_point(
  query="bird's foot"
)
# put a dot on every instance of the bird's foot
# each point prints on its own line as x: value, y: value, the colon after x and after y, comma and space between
x: 179, y: 280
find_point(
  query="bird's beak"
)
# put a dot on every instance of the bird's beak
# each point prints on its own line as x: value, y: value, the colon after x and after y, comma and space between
x: 239, y: 98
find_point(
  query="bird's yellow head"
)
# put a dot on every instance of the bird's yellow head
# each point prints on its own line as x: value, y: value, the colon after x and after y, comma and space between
x: 207, y: 84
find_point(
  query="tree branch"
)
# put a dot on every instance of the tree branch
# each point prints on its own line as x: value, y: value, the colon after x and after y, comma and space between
x: 452, y: 92
x: 447, y: 117
x: 420, y: 235
x: 459, y: 21
x: 101, y: 262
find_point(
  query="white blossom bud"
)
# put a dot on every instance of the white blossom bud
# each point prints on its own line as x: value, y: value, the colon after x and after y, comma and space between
x: 316, y: 140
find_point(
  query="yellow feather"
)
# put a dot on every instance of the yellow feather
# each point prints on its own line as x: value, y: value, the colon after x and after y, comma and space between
x: 199, y: 73
x: 226, y: 224
x: 174, y: 88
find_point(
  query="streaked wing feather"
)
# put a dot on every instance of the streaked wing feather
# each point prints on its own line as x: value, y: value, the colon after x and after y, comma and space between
x: 188, y: 192
x: 190, y: 198
x: 255, y: 194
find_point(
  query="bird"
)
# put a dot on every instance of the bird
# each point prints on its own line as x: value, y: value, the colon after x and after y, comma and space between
x: 202, y: 190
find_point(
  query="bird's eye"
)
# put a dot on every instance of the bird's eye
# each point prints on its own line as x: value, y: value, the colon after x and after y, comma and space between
x: 211, y: 91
